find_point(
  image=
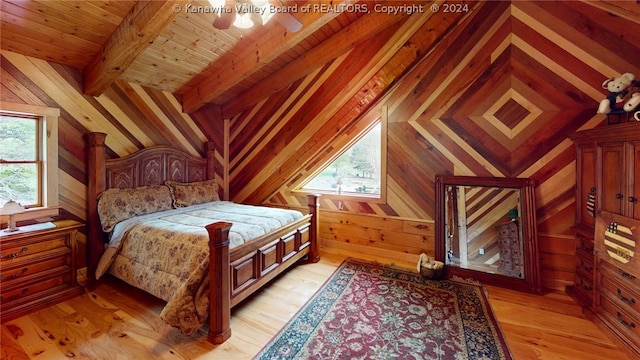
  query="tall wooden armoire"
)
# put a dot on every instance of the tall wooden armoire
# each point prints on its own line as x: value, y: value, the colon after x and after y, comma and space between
x: 608, y: 182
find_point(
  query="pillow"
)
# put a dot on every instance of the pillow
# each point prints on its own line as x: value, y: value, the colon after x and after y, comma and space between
x: 185, y: 194
x: 115, y: 205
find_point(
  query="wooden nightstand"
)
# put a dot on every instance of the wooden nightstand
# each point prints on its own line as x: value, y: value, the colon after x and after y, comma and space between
x: 37, y: 267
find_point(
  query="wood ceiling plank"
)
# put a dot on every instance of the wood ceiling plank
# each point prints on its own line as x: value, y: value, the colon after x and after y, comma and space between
x: 64, y: 41
x: 92, y: 12
x: 256, y: 55
x: 138, y: 29
x: 360, y: 30
x: 20, y: 43
x: 59, y: 12
x: 120, y: 8
x: 191, y: 40
x: 43, y: 19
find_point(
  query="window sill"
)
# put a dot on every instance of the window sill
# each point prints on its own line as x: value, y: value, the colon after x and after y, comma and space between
x: 371, y: 198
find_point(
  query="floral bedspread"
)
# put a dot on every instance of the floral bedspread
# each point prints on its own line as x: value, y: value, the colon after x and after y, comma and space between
x: 167, y: 253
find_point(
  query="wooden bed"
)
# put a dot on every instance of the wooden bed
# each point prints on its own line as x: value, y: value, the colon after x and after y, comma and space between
x: 234, y: 274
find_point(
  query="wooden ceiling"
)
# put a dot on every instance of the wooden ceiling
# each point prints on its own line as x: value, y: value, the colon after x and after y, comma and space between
x: 171, y: 45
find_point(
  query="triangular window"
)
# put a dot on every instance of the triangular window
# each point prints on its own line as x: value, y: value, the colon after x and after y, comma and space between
x: 358, y: 171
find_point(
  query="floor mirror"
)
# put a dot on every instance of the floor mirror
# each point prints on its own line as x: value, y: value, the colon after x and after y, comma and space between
x: 486, y: 230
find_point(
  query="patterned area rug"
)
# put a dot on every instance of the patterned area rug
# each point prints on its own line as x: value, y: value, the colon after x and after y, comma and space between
x: 369, y: 311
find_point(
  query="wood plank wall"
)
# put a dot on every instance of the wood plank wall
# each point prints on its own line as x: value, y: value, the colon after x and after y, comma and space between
x: 133, y: 117
x: 494, y: 92
x: 448, y: 82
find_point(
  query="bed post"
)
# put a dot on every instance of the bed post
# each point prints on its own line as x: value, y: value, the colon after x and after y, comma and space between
x: 220, y: 282
x: 313, y: 201
x: 96, y: 170
x: 210, y: 155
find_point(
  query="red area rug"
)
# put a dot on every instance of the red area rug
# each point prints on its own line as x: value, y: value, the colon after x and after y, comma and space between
x: 370, y: 311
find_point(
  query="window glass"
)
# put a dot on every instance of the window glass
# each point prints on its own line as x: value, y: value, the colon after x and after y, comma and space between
x: 356, y: 172
x: 20, y: 177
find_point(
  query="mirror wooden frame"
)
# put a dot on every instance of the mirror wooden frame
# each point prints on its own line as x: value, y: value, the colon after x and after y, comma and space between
x: 532, y: 282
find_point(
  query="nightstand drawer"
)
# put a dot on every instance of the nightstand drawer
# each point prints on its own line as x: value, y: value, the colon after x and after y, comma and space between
x: 23, y: 291
x: 51, y: 260
x: 12, y: 251
x: 38, y: 267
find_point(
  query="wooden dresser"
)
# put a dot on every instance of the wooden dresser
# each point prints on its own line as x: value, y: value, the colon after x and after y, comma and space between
x: 511, y: 260
x: 608, y: 185
x: 37, y: 267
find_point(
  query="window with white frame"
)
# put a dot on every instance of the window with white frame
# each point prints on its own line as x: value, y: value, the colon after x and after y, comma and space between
x: 356, y: 172
x: 29, y: 158
x: 359, y: 169
x: 21, y: 159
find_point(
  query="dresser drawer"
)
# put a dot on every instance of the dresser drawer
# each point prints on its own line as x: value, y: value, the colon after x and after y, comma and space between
x: 12, y: 272
x: 585, y: 244
x: 583, y: 283
x: 584, y: 263
x: 583, y: 289
x: 11, y: 251
x: 620, y: 294
x: 621, y: 276
x: 620, y: 320
x: 31, y: 287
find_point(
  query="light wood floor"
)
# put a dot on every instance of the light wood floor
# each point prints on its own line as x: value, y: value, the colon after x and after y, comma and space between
x: 116, y: 321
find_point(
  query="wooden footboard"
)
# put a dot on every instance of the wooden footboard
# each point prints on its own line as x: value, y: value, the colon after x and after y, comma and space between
x: 238, y: 273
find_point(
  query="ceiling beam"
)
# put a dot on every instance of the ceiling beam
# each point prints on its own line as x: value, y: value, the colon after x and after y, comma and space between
x: 266, y: 49
x: 136, y: 32
x: 358, y: 31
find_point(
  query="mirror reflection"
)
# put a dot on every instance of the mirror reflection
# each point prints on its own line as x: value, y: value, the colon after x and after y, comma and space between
x: 483, y: 231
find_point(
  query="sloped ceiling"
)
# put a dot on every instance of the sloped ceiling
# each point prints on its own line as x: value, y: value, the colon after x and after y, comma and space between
x: 494, y: 92
x: 173, y: 45
x: 491, y: 92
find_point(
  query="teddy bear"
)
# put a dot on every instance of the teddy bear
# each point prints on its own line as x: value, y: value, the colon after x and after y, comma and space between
x: 624, y: 94
x: 633, y: 101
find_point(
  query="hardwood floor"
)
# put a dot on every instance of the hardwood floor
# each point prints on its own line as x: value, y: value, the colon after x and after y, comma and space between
x: 115, y: 321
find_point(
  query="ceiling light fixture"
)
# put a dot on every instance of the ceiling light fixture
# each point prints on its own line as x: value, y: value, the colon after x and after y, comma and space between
x: 241, y: 13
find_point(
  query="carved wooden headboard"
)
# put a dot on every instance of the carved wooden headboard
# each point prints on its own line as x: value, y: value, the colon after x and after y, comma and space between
x: 154, y: 166
x: 150, y: 166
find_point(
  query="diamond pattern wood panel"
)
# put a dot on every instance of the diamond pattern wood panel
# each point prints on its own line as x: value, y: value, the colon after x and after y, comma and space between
x: 495, y: 95
x: 493, y: 92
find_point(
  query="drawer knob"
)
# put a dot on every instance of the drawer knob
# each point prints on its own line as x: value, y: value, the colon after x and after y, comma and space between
x: 16, y: 296
x: 633, y: 199
x: 624, y: 322
x: 15, y: 255
x: 17, y: 275
x: 587, y: 248
x: 626, y: 275
x: 625, y: 299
